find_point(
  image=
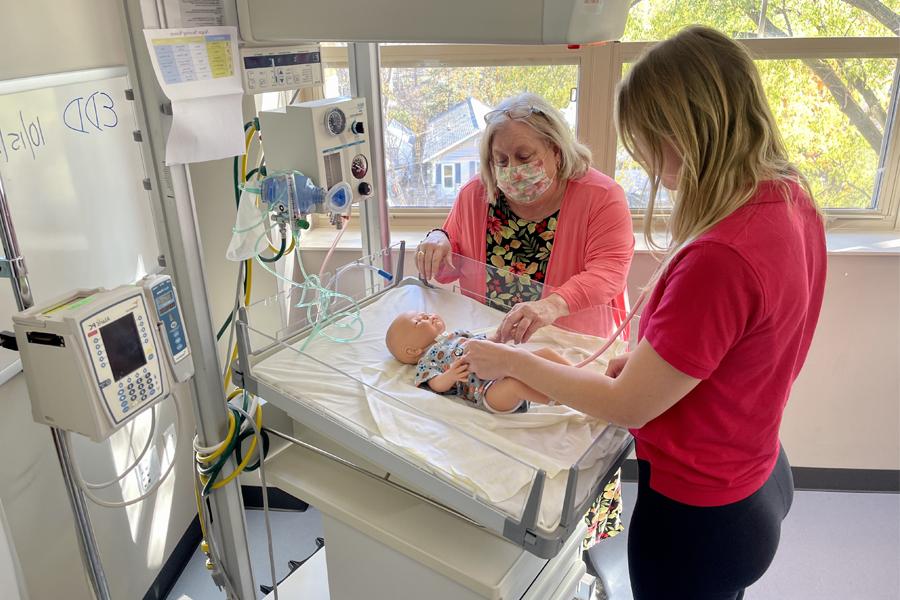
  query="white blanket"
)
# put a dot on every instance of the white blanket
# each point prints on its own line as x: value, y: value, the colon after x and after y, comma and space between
x: 492, y: 456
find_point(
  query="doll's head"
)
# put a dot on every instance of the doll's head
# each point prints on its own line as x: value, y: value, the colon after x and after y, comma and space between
x: 411, y: 333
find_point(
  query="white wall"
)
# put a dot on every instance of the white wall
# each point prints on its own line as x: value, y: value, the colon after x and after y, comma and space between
x: 844, y: 411
x: 12, y: 583
x: 47, y: 36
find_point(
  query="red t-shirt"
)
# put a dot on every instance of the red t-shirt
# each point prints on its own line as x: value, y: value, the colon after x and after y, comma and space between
x: 736, y: 308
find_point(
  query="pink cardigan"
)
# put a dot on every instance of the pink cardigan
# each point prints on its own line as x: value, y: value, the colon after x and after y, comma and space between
x: 591, y: 252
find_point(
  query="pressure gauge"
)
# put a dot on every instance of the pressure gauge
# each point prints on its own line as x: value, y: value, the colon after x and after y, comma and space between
x: 360, y: 166
x: 335, y: 121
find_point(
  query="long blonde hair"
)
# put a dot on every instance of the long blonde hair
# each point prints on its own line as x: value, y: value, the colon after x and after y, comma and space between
x: 700, y: 92
x: 549, y: 123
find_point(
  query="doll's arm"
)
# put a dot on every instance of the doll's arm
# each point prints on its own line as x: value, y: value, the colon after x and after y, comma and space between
x: 445, y: 381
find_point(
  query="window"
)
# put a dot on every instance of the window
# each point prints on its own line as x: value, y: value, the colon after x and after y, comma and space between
x: 830, y: 68
x: 434, y: 117
x: 448, y: 176
x: 336, y: 81
x: 650, y: 20
x: 833, y: 116
x: 830, y: 71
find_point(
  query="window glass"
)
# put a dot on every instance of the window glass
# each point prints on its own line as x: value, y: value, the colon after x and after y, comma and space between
x: 434, y: 116
x: 650, y: 20
x: 336, y: 81
x: 832, y: 114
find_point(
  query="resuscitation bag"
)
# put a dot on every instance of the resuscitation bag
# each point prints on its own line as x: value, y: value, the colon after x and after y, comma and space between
x: 248, y: 237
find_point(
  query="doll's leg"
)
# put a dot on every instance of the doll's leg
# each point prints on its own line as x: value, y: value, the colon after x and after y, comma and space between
x: 507, y: 394
x: 551, y: 355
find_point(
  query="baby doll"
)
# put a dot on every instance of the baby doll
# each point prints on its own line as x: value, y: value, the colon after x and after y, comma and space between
x: 421, y: 339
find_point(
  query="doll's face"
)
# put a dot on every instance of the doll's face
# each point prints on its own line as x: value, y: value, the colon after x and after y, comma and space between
x: 411, y: 334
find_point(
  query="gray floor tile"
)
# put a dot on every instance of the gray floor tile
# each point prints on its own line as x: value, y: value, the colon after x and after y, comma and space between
x: 293, y: 536
x: 834, y: 546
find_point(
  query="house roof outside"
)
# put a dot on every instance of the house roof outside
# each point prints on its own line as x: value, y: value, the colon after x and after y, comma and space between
x: 452, y: 127
x: 400, y: 144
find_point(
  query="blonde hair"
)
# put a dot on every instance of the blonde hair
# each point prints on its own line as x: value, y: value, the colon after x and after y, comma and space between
x: 550, y: 125
x: 700, y: 92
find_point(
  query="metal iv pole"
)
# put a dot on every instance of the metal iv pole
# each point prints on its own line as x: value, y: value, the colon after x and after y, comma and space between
x: 179, y: 237
x: 14, y: 268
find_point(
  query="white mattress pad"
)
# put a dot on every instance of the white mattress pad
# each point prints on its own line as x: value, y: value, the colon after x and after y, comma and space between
x: 494, y: 457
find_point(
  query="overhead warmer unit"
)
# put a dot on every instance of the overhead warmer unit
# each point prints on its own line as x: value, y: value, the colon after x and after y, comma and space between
x: 433, y: 21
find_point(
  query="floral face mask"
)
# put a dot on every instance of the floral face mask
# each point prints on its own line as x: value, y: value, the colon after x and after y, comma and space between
x: 523, y: 183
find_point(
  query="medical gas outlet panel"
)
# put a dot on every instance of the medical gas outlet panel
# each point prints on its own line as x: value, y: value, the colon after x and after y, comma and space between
x: 326, y: 140
x: 92, y: 360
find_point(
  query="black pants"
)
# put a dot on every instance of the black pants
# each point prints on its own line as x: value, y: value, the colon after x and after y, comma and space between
x: 705, y: 553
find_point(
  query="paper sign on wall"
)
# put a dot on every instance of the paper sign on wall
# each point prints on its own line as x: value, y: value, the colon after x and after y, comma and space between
x: 198, y: 69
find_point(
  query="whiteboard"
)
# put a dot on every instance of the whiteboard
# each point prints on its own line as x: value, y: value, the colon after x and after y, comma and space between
x: 73, y: 179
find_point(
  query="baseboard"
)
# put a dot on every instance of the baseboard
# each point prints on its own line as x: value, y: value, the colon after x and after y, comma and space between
x: 846, y: 480
x: 176, y: 562
x: 822, y: 479
x: 278, y: 499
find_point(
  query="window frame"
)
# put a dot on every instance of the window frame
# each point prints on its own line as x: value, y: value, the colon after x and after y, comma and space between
x: 445, y: 176
x: 599, y: 71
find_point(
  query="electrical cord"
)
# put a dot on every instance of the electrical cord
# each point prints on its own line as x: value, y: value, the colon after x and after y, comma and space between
x: 137, y: 461
x: 265, y: 497
x: 209, y: 471
x: 151, y: 490
x: 212, y: 544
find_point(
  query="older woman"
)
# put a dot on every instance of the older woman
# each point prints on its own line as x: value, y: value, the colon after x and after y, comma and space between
x: 538, y: 208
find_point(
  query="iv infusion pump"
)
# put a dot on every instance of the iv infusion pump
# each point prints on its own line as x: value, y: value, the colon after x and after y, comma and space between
x: 94, y: 359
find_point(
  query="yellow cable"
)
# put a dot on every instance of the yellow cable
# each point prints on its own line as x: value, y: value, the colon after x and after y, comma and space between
x: 206, y: 458
x: 234, y: 352
x: 234, y: 394
x: 230, y: 362
x: 247, y: 141
x: 240, y: 468
x: 249, y: 283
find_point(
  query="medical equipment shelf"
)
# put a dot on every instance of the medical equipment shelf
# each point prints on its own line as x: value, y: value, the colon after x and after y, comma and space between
x: 274, y: 327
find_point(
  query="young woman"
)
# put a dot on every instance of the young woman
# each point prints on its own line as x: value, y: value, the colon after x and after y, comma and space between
x: 724, y: 333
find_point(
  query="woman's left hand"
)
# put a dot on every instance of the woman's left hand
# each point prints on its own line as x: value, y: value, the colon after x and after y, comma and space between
x: 488, y: 360
x: 526, y: 318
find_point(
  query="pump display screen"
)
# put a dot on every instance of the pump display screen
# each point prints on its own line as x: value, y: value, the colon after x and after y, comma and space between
x: 165, y: 301
x: 123, y: 346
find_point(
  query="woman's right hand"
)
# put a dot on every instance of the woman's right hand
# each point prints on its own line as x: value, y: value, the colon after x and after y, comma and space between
x: 617, y: 365
x: 432, y: 251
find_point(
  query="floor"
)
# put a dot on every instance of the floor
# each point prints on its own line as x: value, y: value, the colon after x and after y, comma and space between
x: 294, y: 538
x: 833, y: 546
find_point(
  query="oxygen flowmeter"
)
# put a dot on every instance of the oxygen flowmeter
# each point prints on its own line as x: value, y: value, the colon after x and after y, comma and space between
x: 317, y: 147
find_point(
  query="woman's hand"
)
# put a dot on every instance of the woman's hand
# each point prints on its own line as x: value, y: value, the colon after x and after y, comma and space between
x: 617, y: 365
x: 489, y: 360
x: 432, y: 251
x: 527, y: 317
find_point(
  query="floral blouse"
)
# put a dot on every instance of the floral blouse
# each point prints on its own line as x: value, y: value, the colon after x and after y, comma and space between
x: 520, y: 251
